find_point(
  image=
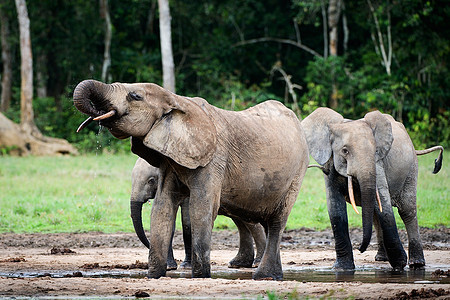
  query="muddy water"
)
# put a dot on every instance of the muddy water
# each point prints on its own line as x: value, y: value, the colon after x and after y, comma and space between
x: 368, y: 274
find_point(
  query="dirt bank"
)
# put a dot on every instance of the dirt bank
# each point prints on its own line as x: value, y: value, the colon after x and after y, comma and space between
x: 75, y: 264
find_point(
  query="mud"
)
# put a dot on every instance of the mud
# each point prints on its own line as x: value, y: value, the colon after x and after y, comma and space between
x: 114, y: 265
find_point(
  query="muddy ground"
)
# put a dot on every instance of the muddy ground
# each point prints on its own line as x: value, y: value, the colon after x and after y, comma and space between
x: 112, y: 265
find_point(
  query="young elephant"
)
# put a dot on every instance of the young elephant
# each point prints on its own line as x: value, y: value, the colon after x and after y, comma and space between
x: 144, y: 184
x: 248, y: 164
x: 376, y: 155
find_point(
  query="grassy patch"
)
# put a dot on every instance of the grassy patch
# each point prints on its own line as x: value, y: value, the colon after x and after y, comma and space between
x: 91, y: 193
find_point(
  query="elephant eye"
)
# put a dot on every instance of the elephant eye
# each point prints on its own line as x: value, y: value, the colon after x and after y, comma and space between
x: 344, y: 151
x: 134, y: 96
x: 152, y: 180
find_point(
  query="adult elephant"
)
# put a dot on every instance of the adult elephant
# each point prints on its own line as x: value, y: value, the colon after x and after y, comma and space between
x: 376, y: 155
x: 144, y: 184
x: 247, y: 164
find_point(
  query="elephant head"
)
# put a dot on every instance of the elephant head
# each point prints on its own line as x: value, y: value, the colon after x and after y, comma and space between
x: 353, y: 148
x: 171, y: 125
x: 144, y: 184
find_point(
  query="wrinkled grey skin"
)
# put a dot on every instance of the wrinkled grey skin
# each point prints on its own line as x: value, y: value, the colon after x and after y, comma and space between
x: 144, y: 184
x: 247, y: 165
x: 378, y: 153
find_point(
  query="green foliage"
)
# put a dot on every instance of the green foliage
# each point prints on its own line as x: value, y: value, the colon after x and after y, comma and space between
x: 68, y: 44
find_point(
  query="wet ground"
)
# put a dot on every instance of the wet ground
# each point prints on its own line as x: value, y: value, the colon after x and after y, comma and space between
x: 114, y: 265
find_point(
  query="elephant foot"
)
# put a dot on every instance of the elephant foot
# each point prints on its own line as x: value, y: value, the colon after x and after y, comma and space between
x: 381, y: 256
x: 342, y: 264
x: 237, y: 263
x: 256, y: 262
x: 171, y: 265
x: 416, y: 257
x: 399, y: 259
x: 262, y: 275
x: 156, y: 273
x: 416, y: 264
x: 186, y: 265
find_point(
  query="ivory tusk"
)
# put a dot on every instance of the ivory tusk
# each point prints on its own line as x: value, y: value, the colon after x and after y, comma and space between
x: 105, y: 116
x: 379, y: 201
x: 350, y: 194
x: 85, y: 123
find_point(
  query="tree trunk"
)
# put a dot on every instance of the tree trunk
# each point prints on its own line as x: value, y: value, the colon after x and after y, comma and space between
x: 41, y: 78
x: 14, y: 141
x: 333, y: 21
x: 104, y: 13
x: 166, y: 45
x: 334, y: 12
x: 6, y: 60
x: 386, y: 58
x: 26, y: 71
x: 325, y: 29
x: 26, y: 138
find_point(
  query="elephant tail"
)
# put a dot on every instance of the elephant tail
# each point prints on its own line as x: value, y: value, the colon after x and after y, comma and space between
x: 437, y: 161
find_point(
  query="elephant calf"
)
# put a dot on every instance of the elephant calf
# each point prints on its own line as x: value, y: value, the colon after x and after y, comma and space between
x: 144, y: 184
x: 376, y: 155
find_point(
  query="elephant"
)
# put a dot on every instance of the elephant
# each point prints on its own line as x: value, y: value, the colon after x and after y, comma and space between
x: 144, y: 184
x: 248, y: 164
x: 376, y: 155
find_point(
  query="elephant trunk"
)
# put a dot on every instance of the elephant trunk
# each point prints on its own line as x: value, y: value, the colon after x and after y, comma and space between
x: 136, y: 216
x: 368, y: 198
x: 89, y: 97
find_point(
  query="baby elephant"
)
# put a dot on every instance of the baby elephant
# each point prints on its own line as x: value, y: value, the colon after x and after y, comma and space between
x: 144, y: 184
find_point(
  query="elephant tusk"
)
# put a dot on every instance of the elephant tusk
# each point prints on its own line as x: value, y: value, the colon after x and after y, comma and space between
x: 85, y: 123
x: 379, y: 201
x: 105, y: 116
x: 351, y: 195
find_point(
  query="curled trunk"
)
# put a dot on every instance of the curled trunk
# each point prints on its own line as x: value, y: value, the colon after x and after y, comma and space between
x: 89, y: 97
x: 136, y: 216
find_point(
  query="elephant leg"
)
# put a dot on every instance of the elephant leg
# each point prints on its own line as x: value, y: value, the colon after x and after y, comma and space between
x: 270, y: 265
x: 381, y: 253
x: 259, y: 236
x: 171, y: 263
x: 244, y: 257
x: 203, y: 208
x: 187, y: 236
x: 337, y: 211
x: 163, y: 215
x: 161, y: 225
x: 392, y: 244
x: 407, y: 210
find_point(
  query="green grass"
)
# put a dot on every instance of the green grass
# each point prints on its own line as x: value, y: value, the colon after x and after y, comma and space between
x: 91, y: 193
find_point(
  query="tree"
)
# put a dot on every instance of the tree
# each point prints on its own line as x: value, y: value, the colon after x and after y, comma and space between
x: 380, y: 48
x: 26, y: 71
x: 6, y: 60
x: 334, y: 12
x: 104, y: 13
x: 166, y: 45
x: 26, y: 138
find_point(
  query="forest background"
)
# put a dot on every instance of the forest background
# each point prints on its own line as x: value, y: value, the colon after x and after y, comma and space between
x: 353, y: 56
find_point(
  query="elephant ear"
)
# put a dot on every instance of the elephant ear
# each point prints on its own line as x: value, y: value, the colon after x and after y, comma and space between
x: 186, y: 134
x: 382, y: 131
x: 318, y: 134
